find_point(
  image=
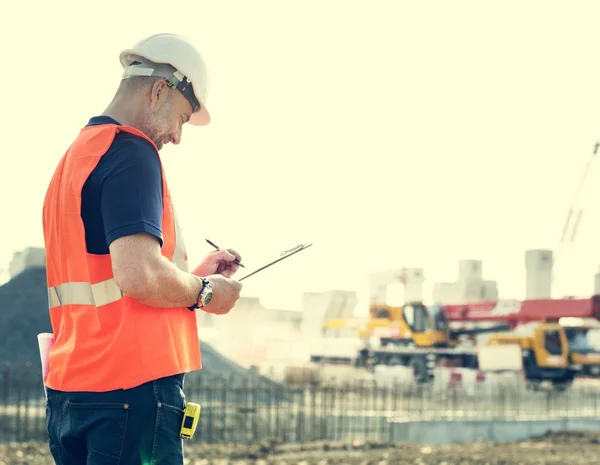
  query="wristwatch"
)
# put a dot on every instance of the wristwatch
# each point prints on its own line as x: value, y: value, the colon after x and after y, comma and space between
x: 205, y: 295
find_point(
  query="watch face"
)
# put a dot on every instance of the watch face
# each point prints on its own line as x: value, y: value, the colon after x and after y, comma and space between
x: 208, y: 298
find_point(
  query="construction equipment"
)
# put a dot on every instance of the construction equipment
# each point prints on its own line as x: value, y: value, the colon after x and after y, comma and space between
x: 419, y: 336
x: 403, y: 335
x: 575, y: 318
x: 413, y: 324
x: 543, y: 349
x: 517, y: 312
x: 348, y: 340
x: 575, y: 212
x: 423, y: 337
x: 411, y: 335
x: 583, y: 350
x: 544, y: 353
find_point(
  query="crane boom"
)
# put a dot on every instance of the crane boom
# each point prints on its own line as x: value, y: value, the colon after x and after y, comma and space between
x: 516, y: 312
x: 575, y: 212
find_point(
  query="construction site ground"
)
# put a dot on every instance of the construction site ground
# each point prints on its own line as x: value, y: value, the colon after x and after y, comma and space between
x: 553, y: 448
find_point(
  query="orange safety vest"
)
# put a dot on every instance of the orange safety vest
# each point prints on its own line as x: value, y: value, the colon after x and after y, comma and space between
x: 105, y: 340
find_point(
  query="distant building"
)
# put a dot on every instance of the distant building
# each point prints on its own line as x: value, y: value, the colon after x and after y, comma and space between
x: 469, y: 287
x: 538, y: 266
x: 246, y: 332
x: 411, y: 278
x: 31, y: 257
x: 252, y: 334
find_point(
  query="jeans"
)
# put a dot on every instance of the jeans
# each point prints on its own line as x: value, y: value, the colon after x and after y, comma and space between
x: 138, y: 426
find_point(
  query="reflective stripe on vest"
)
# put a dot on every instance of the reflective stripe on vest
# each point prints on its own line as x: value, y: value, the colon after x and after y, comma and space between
x: 102, y: 293
x: 106, y: 292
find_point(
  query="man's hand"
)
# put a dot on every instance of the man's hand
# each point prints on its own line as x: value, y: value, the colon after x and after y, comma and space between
x: 219, y: 262
x: 226, y: 292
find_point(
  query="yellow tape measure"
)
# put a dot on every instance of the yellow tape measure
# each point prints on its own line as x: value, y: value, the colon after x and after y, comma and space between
x: 191, y: 415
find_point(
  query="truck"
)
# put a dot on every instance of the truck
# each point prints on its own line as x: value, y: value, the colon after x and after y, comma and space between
x: 576, y: 319
x: 420, y: 337
x: 543, y: 352
x: 423, y: 337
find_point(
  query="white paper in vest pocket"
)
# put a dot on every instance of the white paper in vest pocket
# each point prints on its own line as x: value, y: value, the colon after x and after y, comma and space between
x: 45, y: 342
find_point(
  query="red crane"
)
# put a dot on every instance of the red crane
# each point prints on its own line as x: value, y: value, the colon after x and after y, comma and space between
x: 517, y: 312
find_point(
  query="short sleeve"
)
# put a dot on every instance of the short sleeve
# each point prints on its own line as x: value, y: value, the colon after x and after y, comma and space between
x: 131, y: 197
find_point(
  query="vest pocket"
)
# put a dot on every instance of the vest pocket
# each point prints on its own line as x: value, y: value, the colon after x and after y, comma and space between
x: 102, y: 425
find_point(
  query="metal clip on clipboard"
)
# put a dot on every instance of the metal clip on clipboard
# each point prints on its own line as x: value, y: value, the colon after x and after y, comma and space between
x: 285, y: 254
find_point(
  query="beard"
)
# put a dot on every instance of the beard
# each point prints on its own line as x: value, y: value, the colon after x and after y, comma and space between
x: 156, y: 124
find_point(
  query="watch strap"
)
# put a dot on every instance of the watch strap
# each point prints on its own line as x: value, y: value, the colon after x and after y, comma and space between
x: 205, y: 283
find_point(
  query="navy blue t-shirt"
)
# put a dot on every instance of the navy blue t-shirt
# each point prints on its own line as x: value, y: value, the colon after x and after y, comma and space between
x: 123, y: 194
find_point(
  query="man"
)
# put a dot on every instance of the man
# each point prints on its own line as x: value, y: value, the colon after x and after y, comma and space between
x: 122, y: 302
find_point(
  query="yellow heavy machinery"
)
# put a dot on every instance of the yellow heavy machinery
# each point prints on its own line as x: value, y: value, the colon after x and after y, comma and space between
x: 413, y: 324
x: 575, y: 319
x: 417, y: 336
x: 412, y: 335
x: 544, y: 353
x: 408, y: 326
x: 421, y: 337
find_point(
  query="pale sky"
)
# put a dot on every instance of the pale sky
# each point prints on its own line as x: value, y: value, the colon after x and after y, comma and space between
x: 386, y: 133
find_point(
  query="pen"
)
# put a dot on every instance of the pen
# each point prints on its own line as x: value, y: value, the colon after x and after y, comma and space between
x: 218, y: 248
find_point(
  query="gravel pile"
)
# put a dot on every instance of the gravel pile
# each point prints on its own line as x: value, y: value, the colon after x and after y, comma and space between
x: 23, y: 315
x: 553, y: 448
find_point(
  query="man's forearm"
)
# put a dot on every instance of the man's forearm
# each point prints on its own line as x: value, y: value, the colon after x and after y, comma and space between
x: 167, y: 286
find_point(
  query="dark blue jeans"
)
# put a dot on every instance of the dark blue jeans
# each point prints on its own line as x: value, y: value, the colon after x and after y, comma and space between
x: 138, y: 426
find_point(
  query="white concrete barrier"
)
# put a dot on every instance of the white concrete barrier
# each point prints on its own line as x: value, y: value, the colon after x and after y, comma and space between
x: 390, y: 375
x: 445, y: 432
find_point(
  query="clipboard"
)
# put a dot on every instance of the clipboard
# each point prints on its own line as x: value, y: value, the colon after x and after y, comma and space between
x: 285, y: 254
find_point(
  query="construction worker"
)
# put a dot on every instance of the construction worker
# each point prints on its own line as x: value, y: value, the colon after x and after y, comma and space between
x: 122, y: 301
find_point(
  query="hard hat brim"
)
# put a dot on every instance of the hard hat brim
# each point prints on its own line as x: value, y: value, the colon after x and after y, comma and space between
x: 200, y: 118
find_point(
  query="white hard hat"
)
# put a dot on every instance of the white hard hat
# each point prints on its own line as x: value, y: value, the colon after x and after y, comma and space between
x: 174, y: 58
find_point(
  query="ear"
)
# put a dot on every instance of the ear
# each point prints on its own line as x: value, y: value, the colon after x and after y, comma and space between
x: 158, y: 94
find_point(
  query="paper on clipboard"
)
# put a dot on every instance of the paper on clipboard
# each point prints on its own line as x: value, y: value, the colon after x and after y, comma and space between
x: 285, y: 254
